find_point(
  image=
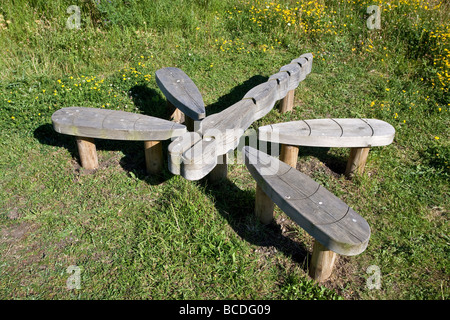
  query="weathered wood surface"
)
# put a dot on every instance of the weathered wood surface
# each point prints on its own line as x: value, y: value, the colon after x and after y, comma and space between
x: 199, y: 160
x: 282, y: 80
x: 228, y: 126
x: 352, y: 133
x: 153, y: 156
x: 295, y: 74
x: 263, y: 206
x: 287, y: 103
x: 324, y: 216
x: 264, y: 97
x: 87, y: 152
x: 356, y: 160
x: 289, y: 154
x: 306, y: 65
x: 177, y: 147
x: 181, y: 91
x: 113, y: 125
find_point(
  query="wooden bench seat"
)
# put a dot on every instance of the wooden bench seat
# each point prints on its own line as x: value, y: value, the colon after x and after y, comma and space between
x: 334, y: 225
x: 88, y: 124
x: 182, y: 95
x: 228, y: 126
x: 358, y: 134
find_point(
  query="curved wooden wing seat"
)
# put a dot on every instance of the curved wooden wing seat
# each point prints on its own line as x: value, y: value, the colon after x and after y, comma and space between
x: 88, y: 124
x: 332, y: 223
x: 358, y: 134
x: 182, y: 94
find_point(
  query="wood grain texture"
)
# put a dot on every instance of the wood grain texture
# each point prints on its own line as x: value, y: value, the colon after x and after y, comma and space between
x: 357, y: 160
x: 295, y: 74
x: 87, y: 152
x: 181, y: 91
x: 304, y: 67
x: 264, y: 97
x: 324, y: 216
x: 289, y: 155
x: 199, y: 160
x: 287, y: 103
x: 113, y: 124
x: 282, y: 80
x: 227, y: 126
x: 263, y: 206
x: 153, y: 156
x: 351, y: 133
x: 322, y: 262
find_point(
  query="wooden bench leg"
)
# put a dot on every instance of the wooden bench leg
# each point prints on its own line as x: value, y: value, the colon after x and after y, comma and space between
x: 87, y: 152
x: 220, y: 171
x: 357, y: 160
x: 289, y: 154
x: 322, y: 262
x: 189, y: 123
x: 287, y: 103
x: 263, y: 206
x: 153, y: 156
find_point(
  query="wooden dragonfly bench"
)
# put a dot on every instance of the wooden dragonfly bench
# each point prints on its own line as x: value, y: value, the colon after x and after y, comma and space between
x: 87, y: 124
x: 357, y: 134
x: 183, y: 96
x: 336, y: 228
x: 224, y: 129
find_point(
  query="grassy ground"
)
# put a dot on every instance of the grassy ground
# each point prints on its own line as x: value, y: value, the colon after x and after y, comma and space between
x: 134, y: 236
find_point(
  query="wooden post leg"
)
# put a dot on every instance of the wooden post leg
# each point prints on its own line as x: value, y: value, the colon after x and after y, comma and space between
x: 87, y: 152
x: 263, y: 206
x: 322, y: 262
x: 220, y: 171
x: 289, y: 154
x: 153, y: 156
x: 357, y: 160
x: 287, y: 103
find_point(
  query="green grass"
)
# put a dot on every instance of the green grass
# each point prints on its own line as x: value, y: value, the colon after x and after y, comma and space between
x: 136, y: 236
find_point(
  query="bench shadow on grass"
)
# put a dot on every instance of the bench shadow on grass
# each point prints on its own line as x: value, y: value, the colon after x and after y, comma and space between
x: 336, y: 164
x: 237, y: 207
x: 236, y: 94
